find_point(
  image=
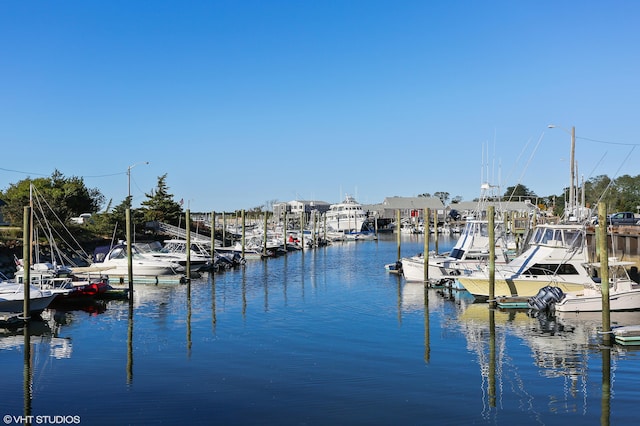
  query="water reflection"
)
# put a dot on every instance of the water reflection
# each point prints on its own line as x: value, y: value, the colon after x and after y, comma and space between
x: 561, y: 347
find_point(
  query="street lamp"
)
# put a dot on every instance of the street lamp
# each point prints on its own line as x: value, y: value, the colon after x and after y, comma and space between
x: 572, y: 159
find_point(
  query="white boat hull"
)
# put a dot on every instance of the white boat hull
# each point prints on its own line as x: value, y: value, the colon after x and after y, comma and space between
x: 591, y: 301
x: 12, y: 299
x: 522, y: 287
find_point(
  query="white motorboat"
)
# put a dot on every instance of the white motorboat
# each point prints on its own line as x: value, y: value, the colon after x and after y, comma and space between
x: 346, y: 216
x: 469, y: 254
x: 12, y: 298
x: 175, y: 250
x: 624, y: 293
x: 115, y: 262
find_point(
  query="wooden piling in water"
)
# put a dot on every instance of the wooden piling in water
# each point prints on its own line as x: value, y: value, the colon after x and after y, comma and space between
x: 187, y: 219
x: 425, y: 249
x: 26, y: 259
x: 604, y: 270
x: 243, y: 232
x: 213, y: 235
x: 492, y: 254
x: 398, y: 231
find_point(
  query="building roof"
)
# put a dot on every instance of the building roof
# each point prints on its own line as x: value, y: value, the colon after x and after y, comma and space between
x: 412, y: 203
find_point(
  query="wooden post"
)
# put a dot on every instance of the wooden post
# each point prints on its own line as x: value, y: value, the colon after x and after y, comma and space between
x: 425, y: 250
x: 264, y: 247
x: 26, y: 262
x: 243, y: 232
x: 398, y: 226
x: 224, y: 230
x: 604, y: 270
x: 187, y: 219
x: 492, y: 254
x: 213, y: 235
x: 129, y: 252
x: 284, y: 230
x: 315, y: 237
x: 435, y: 229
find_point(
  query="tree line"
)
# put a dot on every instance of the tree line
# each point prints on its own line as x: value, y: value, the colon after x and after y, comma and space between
x: 71, y: 197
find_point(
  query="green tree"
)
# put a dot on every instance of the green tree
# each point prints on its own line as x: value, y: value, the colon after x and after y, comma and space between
x: 160, y: 206
x: 519, y: 192
x: 628, y: 194
x: 444, y: 196
x: 59, y: 198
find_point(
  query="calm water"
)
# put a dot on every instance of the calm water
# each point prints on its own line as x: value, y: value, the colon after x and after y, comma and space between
x: 321, y: 337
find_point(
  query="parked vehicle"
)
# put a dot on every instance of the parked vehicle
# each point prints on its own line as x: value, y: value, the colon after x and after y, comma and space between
x: 622, y: 218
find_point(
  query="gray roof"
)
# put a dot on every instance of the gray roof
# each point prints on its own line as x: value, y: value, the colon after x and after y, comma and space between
x: 412, y: 203
x: 467, y: 206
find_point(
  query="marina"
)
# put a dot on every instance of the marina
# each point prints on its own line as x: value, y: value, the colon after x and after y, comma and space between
x: 322, y: 336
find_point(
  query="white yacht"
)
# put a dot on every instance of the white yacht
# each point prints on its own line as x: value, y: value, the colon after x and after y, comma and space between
x: 347, y: 216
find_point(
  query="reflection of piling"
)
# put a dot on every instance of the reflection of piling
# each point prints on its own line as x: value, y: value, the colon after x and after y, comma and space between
x: 130, y: 343
x: 605, y: 411
x: 189, y: 318
x: 427, y: 338
x: 27, y: 373
x: 492, y: 358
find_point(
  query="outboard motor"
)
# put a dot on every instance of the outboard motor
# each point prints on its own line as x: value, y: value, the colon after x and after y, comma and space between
x: 545, y: 298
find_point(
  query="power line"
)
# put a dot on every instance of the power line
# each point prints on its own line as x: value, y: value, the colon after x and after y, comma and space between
x: 608, y: 142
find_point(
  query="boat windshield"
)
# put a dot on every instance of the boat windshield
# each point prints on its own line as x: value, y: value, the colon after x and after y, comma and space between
x: 569, y: 238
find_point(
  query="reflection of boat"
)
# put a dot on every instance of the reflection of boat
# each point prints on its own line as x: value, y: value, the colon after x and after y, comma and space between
x: 627, y: 335
x: 624, y: 293
x: 556, y: 257
x: 40, y: 336
x: 413, y: 297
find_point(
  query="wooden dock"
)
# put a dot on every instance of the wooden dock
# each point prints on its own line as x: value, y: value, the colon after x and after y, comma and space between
x: 122, y: 280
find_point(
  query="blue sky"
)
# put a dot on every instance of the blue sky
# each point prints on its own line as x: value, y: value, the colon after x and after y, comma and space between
x: 242, y: 103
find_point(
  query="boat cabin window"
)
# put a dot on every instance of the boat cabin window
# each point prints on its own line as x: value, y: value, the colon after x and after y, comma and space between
x: 118, y: 253
x: 551, y: 269
x: 457, y: 253
x: 574, y: 238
